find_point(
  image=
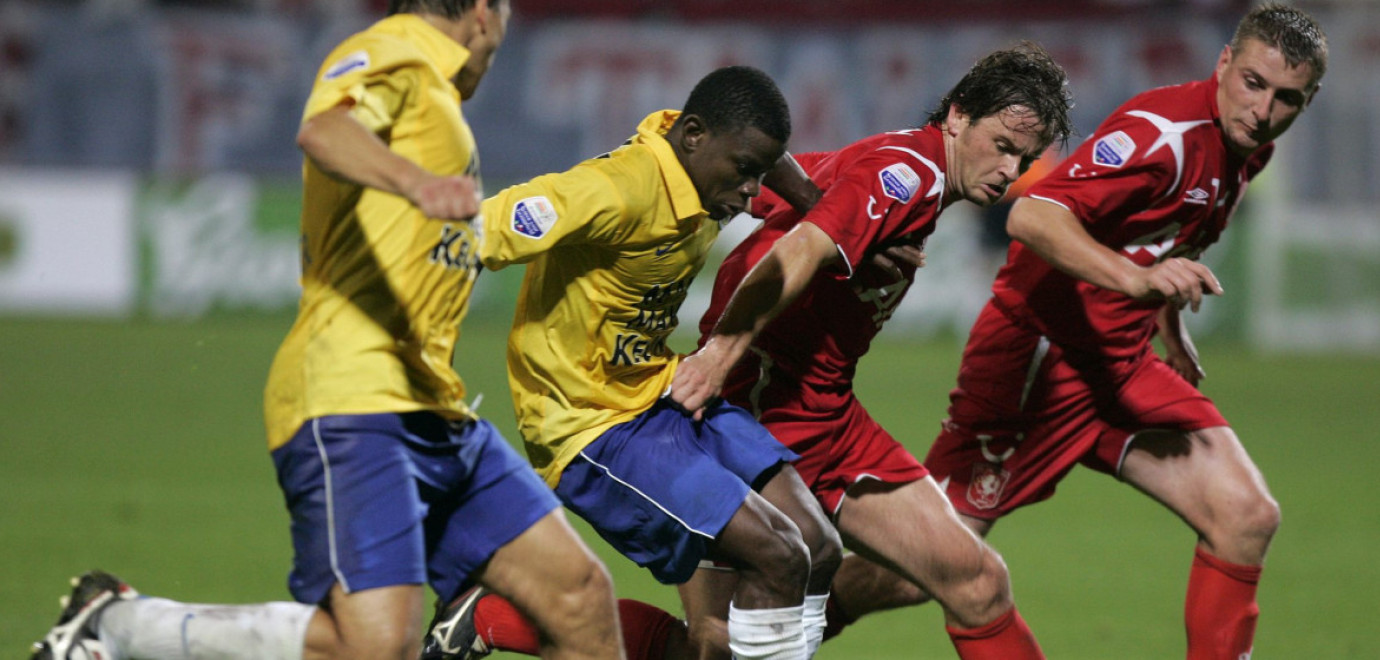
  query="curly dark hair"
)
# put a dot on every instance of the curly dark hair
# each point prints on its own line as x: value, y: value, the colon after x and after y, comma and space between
x: 734, y: 97
x: 1289, y: 29
x: 1025, y: 76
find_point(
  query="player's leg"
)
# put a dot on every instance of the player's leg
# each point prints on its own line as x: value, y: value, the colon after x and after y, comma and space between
x: 492, y: 520
x: 663, y: 490
x: 356, y: 523
x: 789, y: 494
x: 558, y: 583
x: 1208, y: 479
x: 705, y: 598
x: 103, y: 617
x: 745, y: 447
x: 913, y: 530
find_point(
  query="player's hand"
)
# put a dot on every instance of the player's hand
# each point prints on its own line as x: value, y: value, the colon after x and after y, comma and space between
x: 1186, y: 364
x: 889, y: 257
x: 445, y: 197
x: 1178, y: 280
x: 697, y: 383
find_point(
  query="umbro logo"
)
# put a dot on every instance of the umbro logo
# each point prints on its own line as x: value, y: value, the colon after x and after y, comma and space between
x: 1196, y: 196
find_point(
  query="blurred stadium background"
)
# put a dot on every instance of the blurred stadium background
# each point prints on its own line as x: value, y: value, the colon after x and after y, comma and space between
x: 148, y: 210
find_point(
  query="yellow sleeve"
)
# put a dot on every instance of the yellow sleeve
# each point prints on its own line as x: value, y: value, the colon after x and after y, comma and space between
x: 374, y: 74
x: 579, y: 206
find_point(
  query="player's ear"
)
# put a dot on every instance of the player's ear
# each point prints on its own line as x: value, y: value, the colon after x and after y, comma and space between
x: 481, y: 14
x: 693, y: 133
x: 1223, y: 60
x: 955, y: 120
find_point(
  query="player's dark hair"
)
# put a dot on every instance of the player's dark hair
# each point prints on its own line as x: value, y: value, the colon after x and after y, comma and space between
x: 448, y: 8
x: 1289, y: 29
x: 736, y: 97
x: 1021, y: 76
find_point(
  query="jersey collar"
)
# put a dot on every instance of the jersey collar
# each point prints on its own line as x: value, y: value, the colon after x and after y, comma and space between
x: 441, y: 50
x: 685, y: 200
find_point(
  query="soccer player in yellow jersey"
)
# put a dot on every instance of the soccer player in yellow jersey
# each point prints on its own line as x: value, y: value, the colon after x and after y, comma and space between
x: 611, y: 246
x: 392, y: 481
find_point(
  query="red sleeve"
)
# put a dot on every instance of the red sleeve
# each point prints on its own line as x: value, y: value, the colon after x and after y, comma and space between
x: 884, y: 194
x: 1124, y: 168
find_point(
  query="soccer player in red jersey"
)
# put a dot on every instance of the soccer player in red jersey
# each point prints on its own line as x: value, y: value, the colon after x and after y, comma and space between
x: 1059, y: 368
x: 797, y: 304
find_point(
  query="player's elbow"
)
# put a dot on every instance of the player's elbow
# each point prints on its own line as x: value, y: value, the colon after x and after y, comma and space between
x: 1020, y: 224
x: 309, y: 139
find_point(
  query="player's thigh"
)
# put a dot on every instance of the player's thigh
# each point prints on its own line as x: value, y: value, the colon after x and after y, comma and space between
x: 544, y: 562
x: 789, y: 494
x: 663, y: 488
x: 355, y: 507
x: 912, y: 529
x: 482, y: 496
x: 1206, y: 476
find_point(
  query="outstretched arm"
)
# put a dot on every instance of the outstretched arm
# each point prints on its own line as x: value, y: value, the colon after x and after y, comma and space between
x: 346, y: 149
x: 773, y: 284
x: 1059, y: 238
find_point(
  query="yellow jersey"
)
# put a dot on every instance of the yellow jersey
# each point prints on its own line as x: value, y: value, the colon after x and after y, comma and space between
x: 611, y: 246
x: 384, y: 288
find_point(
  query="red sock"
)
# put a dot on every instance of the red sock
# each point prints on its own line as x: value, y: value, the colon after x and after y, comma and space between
x: 645, y: 629
x: 835, y: 619
x: 501, y: 626
x: 1006, y: 638
x: 1221, y: 611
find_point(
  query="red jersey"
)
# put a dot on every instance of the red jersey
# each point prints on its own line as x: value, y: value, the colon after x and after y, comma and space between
x: 1156, y: 180
x: 880, y: 190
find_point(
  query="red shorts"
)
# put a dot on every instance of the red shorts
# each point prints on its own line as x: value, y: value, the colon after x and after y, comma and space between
x: 1026, y: 412
x: 838, y: 441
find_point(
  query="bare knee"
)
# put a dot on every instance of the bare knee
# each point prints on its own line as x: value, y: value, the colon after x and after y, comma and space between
x: 777, y: 568
x: 826, y: 555
x: 383, y: 622
x: 1244, y: 529
x: 976, y: 589
x: 570, y: 606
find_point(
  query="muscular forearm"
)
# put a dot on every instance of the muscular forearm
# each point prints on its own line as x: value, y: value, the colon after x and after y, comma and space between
x: 346, y: 149
x: 771, y: 286
x: 1059, y: 238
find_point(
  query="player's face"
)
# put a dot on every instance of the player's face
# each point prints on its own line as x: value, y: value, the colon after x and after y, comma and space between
x: 493, y: 15
x: 727, y: 167
x: 986, y: 155
x: 1259, y: 95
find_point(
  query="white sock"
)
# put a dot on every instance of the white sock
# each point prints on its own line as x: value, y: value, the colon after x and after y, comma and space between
x: 814, y: 622
x: 169, y: 630
x: 771, y: 634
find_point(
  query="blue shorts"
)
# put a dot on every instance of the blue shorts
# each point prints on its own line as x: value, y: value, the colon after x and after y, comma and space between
x: 659, y: 488
x: 412, y: 498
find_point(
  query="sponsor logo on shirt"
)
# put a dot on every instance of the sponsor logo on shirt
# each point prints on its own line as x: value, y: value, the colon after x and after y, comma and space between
x: 1196, y: 196
x: 899, y: 182
x: 534, y: 216
x: 1113, y: 150
x: 356, y: 60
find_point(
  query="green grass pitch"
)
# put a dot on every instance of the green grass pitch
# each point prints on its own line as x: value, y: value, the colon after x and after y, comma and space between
x: 138, y: 447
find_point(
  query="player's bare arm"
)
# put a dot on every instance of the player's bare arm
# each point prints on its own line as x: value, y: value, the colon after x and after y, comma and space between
x: 346, y: 149
x: 773, y: 284
x: 1179, y: 351
x: 789, y: 181
x: 1058, y: 237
